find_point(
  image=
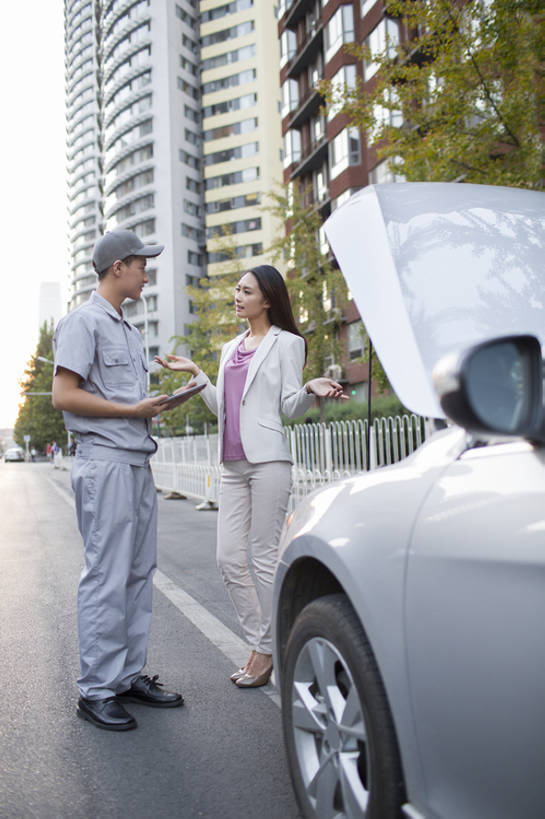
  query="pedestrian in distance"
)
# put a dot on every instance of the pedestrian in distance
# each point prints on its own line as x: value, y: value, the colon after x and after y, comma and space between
x: 100, y: 384
x: 259, y: 378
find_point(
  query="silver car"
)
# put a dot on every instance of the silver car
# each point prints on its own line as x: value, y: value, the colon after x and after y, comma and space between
x: 409, y: 602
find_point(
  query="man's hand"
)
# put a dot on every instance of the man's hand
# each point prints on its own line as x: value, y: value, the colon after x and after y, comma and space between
x: 68, y: 395
x: 149, y: 407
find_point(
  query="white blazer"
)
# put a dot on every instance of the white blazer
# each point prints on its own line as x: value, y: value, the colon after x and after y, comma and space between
x: 273, y: 386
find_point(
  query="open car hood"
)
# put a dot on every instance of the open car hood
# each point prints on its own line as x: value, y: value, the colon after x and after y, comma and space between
x: 434, y: 267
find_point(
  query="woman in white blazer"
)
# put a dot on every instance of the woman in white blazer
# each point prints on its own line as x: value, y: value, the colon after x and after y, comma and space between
x: 259, y: 379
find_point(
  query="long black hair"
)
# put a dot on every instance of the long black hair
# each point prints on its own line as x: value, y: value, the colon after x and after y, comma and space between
x: 274, y: 290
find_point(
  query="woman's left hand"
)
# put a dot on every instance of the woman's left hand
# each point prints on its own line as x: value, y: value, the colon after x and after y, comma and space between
x: 326, y: 388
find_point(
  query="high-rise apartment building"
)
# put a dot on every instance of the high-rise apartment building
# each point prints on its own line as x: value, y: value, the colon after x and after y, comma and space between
x: 325, y: 155
x: 83, y: 152
x: 134, y: 137
x: 173, y: 131
x: 242, y: 140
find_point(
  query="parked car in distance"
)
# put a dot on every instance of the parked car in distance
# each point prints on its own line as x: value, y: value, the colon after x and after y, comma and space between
x: 409, y: 601
x: 14, y: 453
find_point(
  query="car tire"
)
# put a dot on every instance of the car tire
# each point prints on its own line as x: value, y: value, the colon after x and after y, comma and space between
x: 340, y: 739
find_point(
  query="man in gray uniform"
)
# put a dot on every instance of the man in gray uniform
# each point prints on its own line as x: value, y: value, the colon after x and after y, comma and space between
x: 100, y: 384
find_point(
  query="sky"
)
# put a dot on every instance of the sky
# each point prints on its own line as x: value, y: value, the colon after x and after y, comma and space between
x: 33, y: 235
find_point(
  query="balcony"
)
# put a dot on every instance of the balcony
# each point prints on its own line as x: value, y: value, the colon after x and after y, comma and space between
x: 311, y: 159
x: 298, y: 10
x: 308, y: 52
x: 308, y: 105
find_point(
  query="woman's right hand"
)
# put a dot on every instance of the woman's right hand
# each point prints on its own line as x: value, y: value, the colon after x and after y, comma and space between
x: 178, y: 363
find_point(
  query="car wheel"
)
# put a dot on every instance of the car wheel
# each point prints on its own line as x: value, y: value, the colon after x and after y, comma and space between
x: 339, y: 735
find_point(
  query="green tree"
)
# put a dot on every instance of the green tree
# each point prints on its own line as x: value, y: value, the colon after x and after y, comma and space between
x: 212, y: 303
x: 462, y: 98
x: 37, y: 417
x: 316, y: 287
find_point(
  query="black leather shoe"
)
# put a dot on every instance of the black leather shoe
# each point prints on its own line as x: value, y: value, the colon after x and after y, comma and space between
x: 147, y: 691
x: 108, y: 714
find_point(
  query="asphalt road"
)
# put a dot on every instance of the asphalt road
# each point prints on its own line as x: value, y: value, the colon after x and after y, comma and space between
x: 221, y: 755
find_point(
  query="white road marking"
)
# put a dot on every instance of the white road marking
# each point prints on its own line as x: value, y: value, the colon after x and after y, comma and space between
x: 225, y: 640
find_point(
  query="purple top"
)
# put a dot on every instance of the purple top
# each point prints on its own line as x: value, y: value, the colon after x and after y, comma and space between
x: 235, y: 374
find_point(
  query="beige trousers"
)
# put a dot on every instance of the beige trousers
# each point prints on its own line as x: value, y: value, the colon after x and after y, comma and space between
x: 252, y: 508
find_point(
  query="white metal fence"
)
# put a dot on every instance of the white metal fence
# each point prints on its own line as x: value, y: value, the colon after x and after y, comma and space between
x: 321, y: 452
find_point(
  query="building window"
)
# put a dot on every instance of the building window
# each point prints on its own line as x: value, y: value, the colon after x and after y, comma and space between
x: 239, y: 152
x: 135, y: 182
x: 288, y: 46
x: 356, y: 339
x: 385, y: 117
x: 290, y: 97
x: 246, y: 175
x: 366, y: 6
x: 128, y: 113
x: 134, y: 158
x: 244, y: 53
x: 228, y: 33
x: 345, y: 151
x: 190, y: 44
x: 187, y: 88
x: 225, y: 107
x: 229, y: 82
x: 292, y: 147
x: 342, y: 198
x: 194, y: 258
x: 132, y: 135
x: 247, y: 201
x: 192, y: 208
x: 192, y: 185
x: 192, y: 137
x: 385, y: 171
x: 227, y: 8
x: 242, y: 252
x: 242, y: 226
x: 345, y: 78
x: 189, y: 160
x: 384, y: 37
x: 145, y: 228
x: 339, y: 30
x: 243, y: 127
x: 191, y: 114
x: 133, y: 208
x: 185, y: 17
x: 187, y: 65
x: 194, y: 233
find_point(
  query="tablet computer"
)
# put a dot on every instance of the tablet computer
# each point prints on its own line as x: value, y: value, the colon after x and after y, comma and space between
x: 181, y: 397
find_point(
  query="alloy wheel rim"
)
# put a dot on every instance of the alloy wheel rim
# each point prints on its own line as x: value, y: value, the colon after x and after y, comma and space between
x: 329, y: 732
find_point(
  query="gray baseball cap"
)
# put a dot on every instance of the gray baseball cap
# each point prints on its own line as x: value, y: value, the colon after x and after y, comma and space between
x: 118, y: 244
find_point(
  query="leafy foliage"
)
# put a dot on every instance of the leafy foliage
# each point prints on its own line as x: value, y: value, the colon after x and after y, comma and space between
x: 463, y: 98
x: 215, y: 323
x: 37, y: 417
x: 317, y: 289
x: 382, y: 405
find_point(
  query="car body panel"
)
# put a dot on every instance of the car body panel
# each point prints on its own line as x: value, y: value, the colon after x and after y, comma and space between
x: 441, y: 556
x: 372, y: 529
x: 437, y: 266
x: 475, y: 614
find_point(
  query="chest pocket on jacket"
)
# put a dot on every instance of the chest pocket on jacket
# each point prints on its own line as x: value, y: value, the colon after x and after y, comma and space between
x: 116, y: 368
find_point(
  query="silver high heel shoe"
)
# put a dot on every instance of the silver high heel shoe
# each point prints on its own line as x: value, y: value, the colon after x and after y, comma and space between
x: 240, y: 672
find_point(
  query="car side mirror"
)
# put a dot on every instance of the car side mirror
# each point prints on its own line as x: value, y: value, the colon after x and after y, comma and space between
x: 495, y: 387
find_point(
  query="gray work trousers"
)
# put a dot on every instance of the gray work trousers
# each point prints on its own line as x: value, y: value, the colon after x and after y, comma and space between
x: 252, y: 508
x: 116, y: 506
